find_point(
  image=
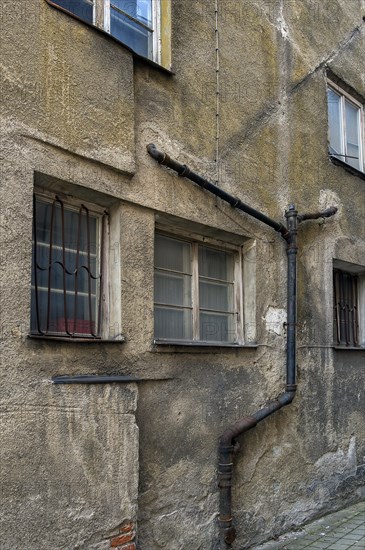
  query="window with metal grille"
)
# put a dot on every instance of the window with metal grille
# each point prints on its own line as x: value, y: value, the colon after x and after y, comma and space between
x: 197, y: 292
x: 67, y: 270
x: 346, y: 308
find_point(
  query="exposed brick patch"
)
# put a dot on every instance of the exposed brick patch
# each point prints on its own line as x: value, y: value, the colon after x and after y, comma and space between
x: 124, y: 541
x: 126, y: 527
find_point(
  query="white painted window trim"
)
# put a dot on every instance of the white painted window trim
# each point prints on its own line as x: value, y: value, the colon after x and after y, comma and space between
x: 107, y: 16
x: 361, y: 125
x: 156, y: 25
x: 93, y: 2
x: 244, y: 285
x: 156, y: 19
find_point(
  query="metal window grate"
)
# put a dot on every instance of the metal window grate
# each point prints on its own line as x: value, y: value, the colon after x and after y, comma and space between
x: 345, y: 307
x: 67, y: 269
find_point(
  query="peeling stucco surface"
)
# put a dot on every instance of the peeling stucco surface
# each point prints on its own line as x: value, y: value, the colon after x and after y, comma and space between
x: 78, y: 109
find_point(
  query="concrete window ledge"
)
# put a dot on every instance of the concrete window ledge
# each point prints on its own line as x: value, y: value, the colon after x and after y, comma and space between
x: 71, y: 340
x: 193, y: 344
x: 347, y: 167
x: 348, y: 348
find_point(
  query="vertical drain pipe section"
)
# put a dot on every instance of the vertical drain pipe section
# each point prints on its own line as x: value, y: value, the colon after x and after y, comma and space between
x: 228, y: 446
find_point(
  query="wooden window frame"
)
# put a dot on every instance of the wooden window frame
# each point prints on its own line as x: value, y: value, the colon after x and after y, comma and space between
x: 238, y: 299
x: 345, y: 96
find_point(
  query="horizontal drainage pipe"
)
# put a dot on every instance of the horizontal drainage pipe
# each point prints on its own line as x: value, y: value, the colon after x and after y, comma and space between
x: 184, y: 171
x: 101, y: 379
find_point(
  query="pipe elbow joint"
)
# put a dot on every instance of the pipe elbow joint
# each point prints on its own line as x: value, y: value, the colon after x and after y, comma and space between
x: 287, y: 397
x: 155, y: 154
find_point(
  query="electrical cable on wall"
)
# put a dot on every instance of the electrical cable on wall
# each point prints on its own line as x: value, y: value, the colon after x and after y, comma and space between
x: 217, y: 113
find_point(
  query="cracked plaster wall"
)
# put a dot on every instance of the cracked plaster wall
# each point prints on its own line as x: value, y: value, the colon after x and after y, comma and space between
x: 78, y: 108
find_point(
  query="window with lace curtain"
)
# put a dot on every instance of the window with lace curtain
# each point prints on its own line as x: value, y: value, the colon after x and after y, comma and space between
x: 198, y: 291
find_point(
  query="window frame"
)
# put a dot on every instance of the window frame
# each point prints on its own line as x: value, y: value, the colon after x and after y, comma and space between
x: 238, y: 288
x: 357, y: 274
x: 345, y: 96
x: 72, y: 203
x: 161, y: 41
x: 155, y: 29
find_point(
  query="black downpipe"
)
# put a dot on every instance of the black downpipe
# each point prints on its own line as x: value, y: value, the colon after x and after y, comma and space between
x: 228, y: 446
x: 291, y: 251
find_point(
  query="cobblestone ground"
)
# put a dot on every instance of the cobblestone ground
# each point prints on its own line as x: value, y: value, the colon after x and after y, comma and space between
x: 339, y: 531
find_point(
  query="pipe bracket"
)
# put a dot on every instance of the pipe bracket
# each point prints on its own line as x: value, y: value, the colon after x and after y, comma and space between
x: 230, y: 535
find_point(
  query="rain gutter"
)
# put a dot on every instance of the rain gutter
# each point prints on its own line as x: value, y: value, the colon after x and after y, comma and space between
x: 228, y: 445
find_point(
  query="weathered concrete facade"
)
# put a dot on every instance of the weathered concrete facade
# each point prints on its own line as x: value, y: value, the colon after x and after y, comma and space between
x: 245, y: 107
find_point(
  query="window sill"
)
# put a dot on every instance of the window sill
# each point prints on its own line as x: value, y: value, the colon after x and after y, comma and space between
x: 347, y: 167
x: 103, y: 379
x: 76, y: 339
x: 194, y: 344
x: 111, y: 37
x: 349, y: 348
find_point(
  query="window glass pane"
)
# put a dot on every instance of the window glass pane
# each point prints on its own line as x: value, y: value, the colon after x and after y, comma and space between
x: 217, y: 296
x: 334, y: 122
x: 173, y: 323
x: 215, y: 264
x: 172, y: 288
x: 139, y: 9
x: 79, y: 323
x: 71, y: 227
x: 217, y: 328
x: 172, y: 254
x: 138, y: 38
x: 81, y: 8
x: 352, y: 134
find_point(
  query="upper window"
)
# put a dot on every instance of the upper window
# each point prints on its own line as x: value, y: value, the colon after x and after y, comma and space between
x: 348, y: 305
x: 67, y: 271
x: 82, y: 8
x: 346, y: 127
x: 198, y: 292
x: 135, y: 23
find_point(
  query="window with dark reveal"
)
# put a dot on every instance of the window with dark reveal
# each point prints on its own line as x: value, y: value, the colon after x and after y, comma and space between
x: 67, y: 270
x: 346, y: 320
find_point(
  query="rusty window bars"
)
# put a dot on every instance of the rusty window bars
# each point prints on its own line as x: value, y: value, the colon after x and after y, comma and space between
x: 67, y: 269
x: 345, y: 307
